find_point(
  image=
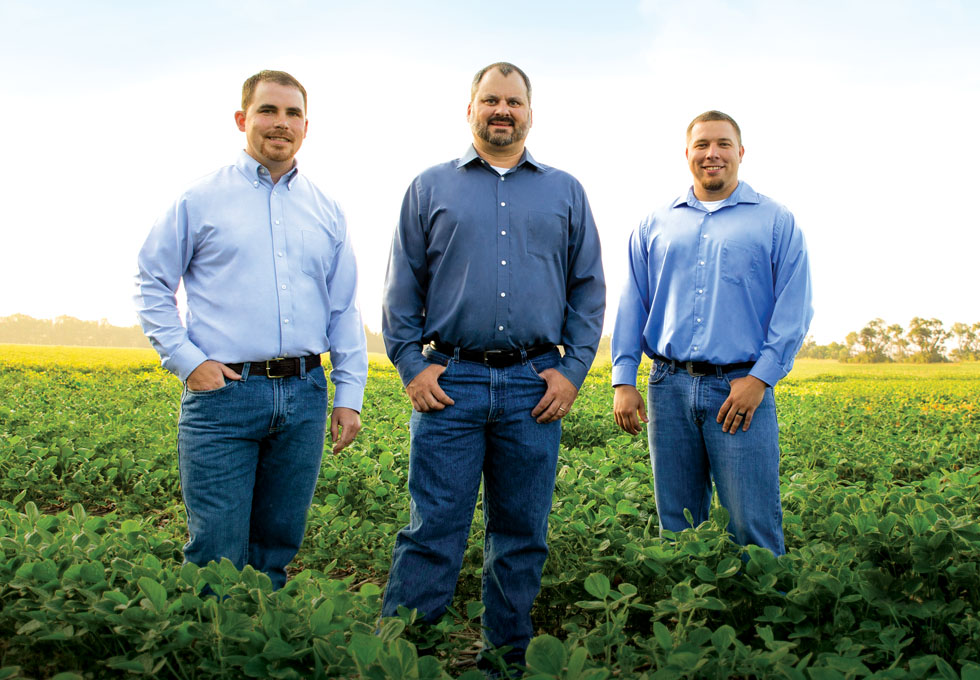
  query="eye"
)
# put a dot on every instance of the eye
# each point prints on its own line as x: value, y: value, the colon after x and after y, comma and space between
x: 514, y: 102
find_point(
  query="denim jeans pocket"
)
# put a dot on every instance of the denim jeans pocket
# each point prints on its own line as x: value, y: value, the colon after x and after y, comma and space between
x: 658, y: 372
x: 317, y: 378
x: 228, y: 384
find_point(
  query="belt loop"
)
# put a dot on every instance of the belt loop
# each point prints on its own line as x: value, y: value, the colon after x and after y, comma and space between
x: 673, y: 366
x: 523, y: 356
x: 719, y: 372
x: 456, y: 354
x: 302, y: 368
x: 245, y: 368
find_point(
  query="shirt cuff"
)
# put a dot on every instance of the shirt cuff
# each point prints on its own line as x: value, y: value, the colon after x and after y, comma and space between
x: 183, y: 361
x: 410, y: 365
x: 625, y: 374
x: 767, y: 371
x: 348, y: 396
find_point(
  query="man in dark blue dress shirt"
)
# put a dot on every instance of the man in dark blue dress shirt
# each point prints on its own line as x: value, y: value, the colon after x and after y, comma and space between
x: 495, y: 261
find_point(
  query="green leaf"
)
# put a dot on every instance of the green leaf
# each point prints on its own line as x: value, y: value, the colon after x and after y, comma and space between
x: 321, y: 618
x: 723, y: 638
x: 364, y: 648
x: 546, y: 654
x: 156, y: 593
x: 663, y: 636
x: 597, y: 585
x: 474, y: 610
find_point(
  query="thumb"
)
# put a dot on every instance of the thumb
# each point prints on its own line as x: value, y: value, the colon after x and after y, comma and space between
x: 643, y: 411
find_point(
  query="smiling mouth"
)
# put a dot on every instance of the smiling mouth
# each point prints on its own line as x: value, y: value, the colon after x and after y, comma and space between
x: 501, y: 122
x: 285, y: 140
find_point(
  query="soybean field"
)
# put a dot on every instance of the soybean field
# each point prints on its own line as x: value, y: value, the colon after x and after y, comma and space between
x: 880, y: 484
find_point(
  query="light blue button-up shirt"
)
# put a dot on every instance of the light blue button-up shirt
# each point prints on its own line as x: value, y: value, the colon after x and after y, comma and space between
x: 486, y: 261
x: 724, y: 287
x: 268, y: 272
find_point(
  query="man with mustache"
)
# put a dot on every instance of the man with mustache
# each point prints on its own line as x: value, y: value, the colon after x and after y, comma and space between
x: 267, y: 266
x: 495, y: 261
x: 718, y: 294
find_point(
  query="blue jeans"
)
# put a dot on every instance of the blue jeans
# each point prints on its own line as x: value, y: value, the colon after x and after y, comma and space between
x: 689, y: 450
x: 488, y: 433
x: 249, y: 457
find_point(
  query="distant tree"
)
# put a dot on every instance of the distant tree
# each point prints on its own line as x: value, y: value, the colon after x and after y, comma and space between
x: 898, y: 346
x: 928, y: 336
x: 967, y: 341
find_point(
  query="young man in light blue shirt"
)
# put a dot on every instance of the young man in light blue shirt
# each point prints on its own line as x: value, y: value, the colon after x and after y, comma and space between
x: 271, y: 282
x: 718, y: 294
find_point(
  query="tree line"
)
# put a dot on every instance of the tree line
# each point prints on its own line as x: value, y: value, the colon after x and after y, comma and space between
x: 21, y: 329
x: 924, y: 341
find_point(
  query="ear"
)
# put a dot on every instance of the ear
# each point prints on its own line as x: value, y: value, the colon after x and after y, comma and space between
x: 306, y: 127
x: 240, y: 120
x: 741, y: 152
x: 530, y: 118
x: 687, y: 153
x: 469, y: 111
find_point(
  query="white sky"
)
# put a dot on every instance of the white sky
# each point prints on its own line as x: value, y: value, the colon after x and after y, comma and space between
x: 852, y: 115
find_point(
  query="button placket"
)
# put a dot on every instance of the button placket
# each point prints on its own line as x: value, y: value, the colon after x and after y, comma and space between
x: 700, y: 280
x: 503, y: 257
x: 284, y: 288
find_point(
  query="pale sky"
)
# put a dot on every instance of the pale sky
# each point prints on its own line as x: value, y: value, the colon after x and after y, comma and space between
x: 852, y: 115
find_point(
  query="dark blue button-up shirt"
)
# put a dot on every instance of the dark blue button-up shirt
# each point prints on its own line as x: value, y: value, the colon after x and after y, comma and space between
x: 485, y: 261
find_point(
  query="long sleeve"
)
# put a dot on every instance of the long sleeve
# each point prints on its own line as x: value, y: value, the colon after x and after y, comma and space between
x: 631, y: 316
x: 348, y: 346
x: 162, y: 261
x: 792, y: 310
x: 585, y: 296
x: 403, y: 309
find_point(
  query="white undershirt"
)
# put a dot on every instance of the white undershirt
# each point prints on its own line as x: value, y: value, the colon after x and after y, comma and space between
x: 711, y: 206
x: 500, y: 170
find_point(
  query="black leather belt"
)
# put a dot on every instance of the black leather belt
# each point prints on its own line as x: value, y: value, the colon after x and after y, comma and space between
x: 496, y: 358
x: 701, y: 368
x: 278, y: 368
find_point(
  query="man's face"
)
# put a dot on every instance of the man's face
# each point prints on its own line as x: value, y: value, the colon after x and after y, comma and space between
x: 500, y: 113
x: 713, y: 154
x: 274, y: 124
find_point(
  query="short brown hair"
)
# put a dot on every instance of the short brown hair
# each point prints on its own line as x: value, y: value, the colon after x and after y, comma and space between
x: 715, y: 115
x: 505, y: 68
x: 279, y: 77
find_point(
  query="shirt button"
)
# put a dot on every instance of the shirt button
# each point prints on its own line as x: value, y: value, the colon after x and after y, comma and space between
x: 503, y: 203
x: 695, y: 347
x: 274, y: 193
x: 255, y: 183
x: 504, y: 262
x: 700, y: 290
x: 501, y: 178
x: 285, y: 320
x: 698, y: 320
x: 705, y: 236
x: 701, y: 263
x: 277, y: 221
x: 500, y: 328
x: 283, y: 286
x: 279, y: 253
x: 503, y: 295
x: 503, y: 232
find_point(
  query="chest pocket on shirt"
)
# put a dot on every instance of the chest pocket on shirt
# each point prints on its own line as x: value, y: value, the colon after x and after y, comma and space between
x: 545, y: 233
x: 315, y: 253
x: 738, y: 263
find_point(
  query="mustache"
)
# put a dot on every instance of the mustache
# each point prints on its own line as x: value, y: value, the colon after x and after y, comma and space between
x: 501, y: 119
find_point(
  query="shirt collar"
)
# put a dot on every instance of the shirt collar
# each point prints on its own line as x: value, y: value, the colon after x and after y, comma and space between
x: 252, y: 170
x: 471, y: 155
x: 743, y: 194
